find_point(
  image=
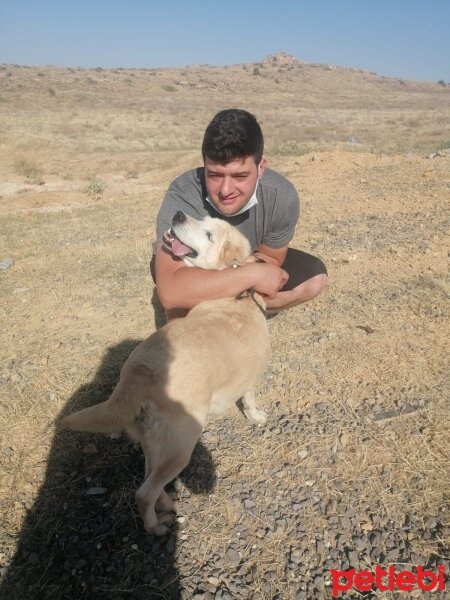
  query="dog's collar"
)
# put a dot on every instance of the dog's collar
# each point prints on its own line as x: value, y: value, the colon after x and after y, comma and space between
x: 251, y: 294
x: 237, y: 264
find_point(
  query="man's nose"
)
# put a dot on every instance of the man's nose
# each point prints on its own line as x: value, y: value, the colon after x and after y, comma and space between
x: 226, y: 186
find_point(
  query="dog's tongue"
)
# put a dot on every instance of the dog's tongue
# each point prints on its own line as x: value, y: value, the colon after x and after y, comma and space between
x: 180, y: 249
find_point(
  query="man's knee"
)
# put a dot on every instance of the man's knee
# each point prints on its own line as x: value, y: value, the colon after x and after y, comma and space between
x: 317, y: 284
x: 312, y: 287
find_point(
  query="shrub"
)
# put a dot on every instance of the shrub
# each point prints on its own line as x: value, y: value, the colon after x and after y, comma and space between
x: 94, y: 188
x: 169, y: 88
x: 29, y: 169
x: 256, y: 71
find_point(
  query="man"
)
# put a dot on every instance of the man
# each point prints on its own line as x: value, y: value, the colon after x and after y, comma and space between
x: 235, y: 184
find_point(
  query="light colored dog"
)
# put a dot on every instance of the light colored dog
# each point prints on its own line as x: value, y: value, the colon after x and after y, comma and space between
x: 190, y: 368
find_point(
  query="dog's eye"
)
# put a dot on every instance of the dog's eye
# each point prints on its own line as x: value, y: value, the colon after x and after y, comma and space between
x: 209, y: 236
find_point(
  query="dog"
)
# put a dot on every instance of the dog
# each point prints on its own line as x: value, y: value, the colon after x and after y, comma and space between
x: 191, y: 368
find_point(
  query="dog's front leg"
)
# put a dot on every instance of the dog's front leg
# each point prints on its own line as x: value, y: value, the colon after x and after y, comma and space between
x: 165, y: 504
x: 254, y: 415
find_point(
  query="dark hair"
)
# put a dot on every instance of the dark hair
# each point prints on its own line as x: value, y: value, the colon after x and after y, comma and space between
x: 233, y: 133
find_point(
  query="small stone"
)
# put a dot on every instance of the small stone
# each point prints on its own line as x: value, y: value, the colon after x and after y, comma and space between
x: 5, y: 263
x: 353, y: 559
x: 233, y: 556
x: 214, y: 581
x: 80, y: 564
x: 431, y: 523
x: 345, y: 439
x: 7, y: 452
x: 90, y: 449
x: 95, y: 491
x: 392, y: 555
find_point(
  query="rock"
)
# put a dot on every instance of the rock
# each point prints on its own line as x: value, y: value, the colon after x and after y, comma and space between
x: 5, y: 263
x: 80, y: 564
x: 95, y: 491
x: 214, y: 581
x: 90, y: 449
x: 233, y: 556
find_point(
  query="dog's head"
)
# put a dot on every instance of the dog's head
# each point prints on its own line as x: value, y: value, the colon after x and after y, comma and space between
x: 208, y: 244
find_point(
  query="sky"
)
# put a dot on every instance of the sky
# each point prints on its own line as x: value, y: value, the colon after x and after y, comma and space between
x: 408, y: 39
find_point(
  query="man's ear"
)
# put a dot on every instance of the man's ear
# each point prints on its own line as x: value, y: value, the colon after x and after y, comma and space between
x: 262, y: 167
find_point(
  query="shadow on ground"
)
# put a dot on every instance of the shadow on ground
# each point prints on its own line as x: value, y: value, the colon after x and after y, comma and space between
x: 83, y: 537
x: 158, y: 310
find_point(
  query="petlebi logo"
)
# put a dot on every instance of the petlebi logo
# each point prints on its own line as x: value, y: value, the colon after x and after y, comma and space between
x: 384, y: 579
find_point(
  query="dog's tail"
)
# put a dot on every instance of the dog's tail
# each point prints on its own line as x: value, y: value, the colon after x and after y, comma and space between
x: 96, y: 419
x: 119, y: 411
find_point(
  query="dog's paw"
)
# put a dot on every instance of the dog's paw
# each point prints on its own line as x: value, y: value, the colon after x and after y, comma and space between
x: 167, y: 518
x: 257, y: 417
x: 159, y: 529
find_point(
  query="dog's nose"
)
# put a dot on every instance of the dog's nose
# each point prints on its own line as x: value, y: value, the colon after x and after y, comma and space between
x: 179, y: 217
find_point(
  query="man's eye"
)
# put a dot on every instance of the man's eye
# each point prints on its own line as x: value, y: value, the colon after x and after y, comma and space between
x: 209, y: 236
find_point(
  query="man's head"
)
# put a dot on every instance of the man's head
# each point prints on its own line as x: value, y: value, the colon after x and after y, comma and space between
x: 232, y: 151
x: 232, y: 134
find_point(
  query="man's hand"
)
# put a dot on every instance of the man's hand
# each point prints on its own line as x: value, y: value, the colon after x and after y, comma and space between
x: 275, y: 256
x: 267, y: 279
x: 260, y: 257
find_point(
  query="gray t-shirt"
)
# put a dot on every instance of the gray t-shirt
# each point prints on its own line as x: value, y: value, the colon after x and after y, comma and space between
x: 270, y: 222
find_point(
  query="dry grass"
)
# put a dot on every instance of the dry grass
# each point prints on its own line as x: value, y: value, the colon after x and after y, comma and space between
x: 376, y: 211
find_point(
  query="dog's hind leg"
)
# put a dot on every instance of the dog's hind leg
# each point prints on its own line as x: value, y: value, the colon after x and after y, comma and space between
x: 254, y: 415
x: 167, y: 461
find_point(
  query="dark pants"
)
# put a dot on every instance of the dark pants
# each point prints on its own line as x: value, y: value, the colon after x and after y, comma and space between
x: 300, y: 265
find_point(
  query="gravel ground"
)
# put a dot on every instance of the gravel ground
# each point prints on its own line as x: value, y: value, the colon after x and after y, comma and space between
x: 84, y: 539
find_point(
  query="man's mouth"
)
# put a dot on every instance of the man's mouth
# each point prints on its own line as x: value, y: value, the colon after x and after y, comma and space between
x: 227, y: 201
x: 176, y: 246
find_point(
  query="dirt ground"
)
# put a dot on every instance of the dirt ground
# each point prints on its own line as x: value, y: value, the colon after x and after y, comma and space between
x: 373, y: 349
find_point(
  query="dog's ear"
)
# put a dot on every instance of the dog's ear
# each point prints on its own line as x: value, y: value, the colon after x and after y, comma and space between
x: 225, y: 255
x: 232, y: 253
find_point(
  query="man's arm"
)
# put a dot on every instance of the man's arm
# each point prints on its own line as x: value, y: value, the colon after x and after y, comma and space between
x: 180, y: 286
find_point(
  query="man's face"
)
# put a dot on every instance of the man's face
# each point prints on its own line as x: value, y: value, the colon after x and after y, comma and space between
x: 231, y: 186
